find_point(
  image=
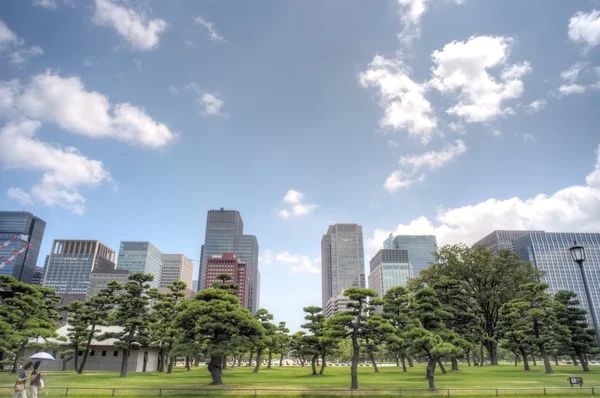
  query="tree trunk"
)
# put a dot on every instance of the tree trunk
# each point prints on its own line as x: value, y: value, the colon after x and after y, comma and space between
x: 233, y: 361
x: 468, y: 356
x: 398, y: 360
x: 547, y: 363
x: 313, y: 363
x: 250, y: 359
x: 516, y: 359
x: 196, y: 361
x: 224, y: 366
x: 240, y: 361
x: 124, y: 360
x: 161, y: 367
x: 301, y: 358
x: 454, y: 364
x: 214, y: 367
x: 492, y: 349
x: 430, y: 372
x: 323, y: 363
x: 281, y: 359
x: 481, y: 360
x: 410, y: 363
x: 87, y: 349
x: 170, y: 367
x: 555, y: 359
x: 403, y: 363
x: 372, y: 358
x: 270, y: 358
x: 258, y: 360
x: 574, y: 359
x: 443, y: 369
x: 533, y: 359
x: 524, y: 356
x: 355, y: 354
x: 582, y: 361
x: 64, y: 365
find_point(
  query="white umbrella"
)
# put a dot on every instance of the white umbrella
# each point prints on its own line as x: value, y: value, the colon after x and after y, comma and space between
x: 42, y: 356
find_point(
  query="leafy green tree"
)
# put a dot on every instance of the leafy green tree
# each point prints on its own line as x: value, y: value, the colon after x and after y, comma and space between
x: 131, y: 313
x: 265, y: 339
x: 27, y: 312
x: 322, y: 344
x: 488, y: 279
x: 572, y: 316
x: 515, y: 329
x: 77, y: 331
x: 358, y: 322
x: 213, y: 318
x: 398, y: 306
x: 299, y: 347
x: 282, y: 340
x: 162, y: 326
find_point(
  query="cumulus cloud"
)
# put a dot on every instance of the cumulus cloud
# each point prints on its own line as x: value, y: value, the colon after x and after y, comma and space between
x: 48, y: 4
x: 298, y: 264
x: 22, y: 55
x: 574, y: 208
x: 403, y: 100
x: 400, y: 179
x: 568, y: 89
x: 142, y: 33
x: 392, y: 144
x: 211, y: 30
x: 477, y: 71
x: 14, y: 46
x: 65, y: 170
x: 295, y: 205
x: 7, y: 36
x: 585, y: 28
x: 536, y: 106
x: 411, y: 13
x: 212, y: 104
x: 65, y: 101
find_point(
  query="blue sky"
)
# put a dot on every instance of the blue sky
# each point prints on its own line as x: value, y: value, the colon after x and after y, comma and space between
x: 128, y: 120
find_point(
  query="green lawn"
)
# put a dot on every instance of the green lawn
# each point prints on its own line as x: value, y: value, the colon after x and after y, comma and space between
x: 298, y: 378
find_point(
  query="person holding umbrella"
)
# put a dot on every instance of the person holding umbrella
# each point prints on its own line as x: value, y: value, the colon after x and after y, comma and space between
x: 36, y: 384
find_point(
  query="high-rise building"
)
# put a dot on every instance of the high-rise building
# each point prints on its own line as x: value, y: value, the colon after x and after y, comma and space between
x: 549, y: 252
x: 389, y: 268
x: 71, y: 261
x: 21, y: 235
x: 38, y: 276
x: 176, y: 267
x: 136, y: 256
x: 228, y: 264
x: 421, y: 249
x: 99, y: 279
x: 335, y: 304
x: 342, y: 260
x: 195, y: 285
x: 501, y: 239
x: 225, y: 234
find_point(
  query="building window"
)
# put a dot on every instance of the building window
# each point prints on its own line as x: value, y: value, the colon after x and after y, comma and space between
x: 92, y: 353
x: 103, y: 353
x: 116, y: 354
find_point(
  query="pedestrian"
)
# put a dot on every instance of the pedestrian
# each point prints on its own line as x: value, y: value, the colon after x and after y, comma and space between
x: 36, y: 384
x: 19, y: 391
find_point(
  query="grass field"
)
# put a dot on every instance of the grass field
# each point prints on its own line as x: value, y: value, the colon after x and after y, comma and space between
x: 268, y: 381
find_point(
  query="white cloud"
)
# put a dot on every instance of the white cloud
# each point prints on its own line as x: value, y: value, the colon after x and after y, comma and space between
x: 403, y: 100
x: 22, y: 55
x: 568, y: 89
x: 456, y: 127
x: 7, y: 36
x: 571, y: 74
x: 210, y: 27
x: 574, y: 208
x: 65, y: 101
x: 132, y: 25
x: 296, y: 205
x: 173, y: 90
x: 392, y: 144
x: 48, y: 4
x: 434, y: 159
x: 65, y: 170
x: 496, y: 133
x: 466, y: 68
x: 209, y: 104
x: 298, y: 264
x: 411, y: 13
x: 20, y: 196
x: 585, y: 27
x: 266, y: 257
x: 138, y: 64
x: 18, y: 54
x: 536, y: 106
x: 188, y: 43
x: 400, y: 179
x: 528, y: 137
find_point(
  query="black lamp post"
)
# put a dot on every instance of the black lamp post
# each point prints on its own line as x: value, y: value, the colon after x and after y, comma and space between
x: 578, y: 255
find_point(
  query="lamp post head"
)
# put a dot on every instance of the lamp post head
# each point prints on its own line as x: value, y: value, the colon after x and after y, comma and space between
x: 577, y: 253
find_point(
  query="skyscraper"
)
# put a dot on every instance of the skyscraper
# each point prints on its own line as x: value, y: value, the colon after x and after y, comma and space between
x: 21, y: 235
x: 70, y: 263
x: 501, y: 239
x: 389, y: 268
x: 225, y: 234
x: 549, y: 252
x: 342, y: 260
x: 228, y: 264
x: 176, y: 267
x: 421, y: 249
x: 136, y: 256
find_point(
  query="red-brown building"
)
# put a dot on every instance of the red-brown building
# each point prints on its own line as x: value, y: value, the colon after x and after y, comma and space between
x: 228, y: 264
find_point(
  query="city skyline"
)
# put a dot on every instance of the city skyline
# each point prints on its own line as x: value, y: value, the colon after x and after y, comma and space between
x: 300, y: 115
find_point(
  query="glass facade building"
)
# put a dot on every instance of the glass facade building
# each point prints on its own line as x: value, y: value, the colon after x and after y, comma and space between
x: 501, y: 239
x: 342, y: 260
x: 225, y: 234
x: 71, y: 261
x: 549, y: 252
x: 176, y: 267
x: 421, y: 249
x: 137, y: 256
x: 389, y: 268
x: 20, y: 230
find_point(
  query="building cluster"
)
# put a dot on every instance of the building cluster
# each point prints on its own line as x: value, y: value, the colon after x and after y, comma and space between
x: 405, y: 256
x: 78, y: 269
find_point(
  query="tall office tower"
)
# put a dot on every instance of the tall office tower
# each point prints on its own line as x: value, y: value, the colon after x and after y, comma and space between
x: 99, y: 279
x: 389, y: 268
x: 549, y: 252
x: 70, y: 263
x: 176, y: 267
x: 195, y: 285
x: 227, y: 263
x: 136, y: 256
x: 421, y: 249
x: 38, y: 276
x: 342, y: 260
x: 501, y: 239
x: 21, y: 235
x: 225, y: 234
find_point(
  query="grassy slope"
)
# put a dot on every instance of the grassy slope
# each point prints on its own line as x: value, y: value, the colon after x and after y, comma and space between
x: 335, y: 377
